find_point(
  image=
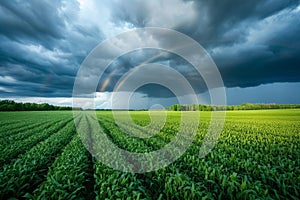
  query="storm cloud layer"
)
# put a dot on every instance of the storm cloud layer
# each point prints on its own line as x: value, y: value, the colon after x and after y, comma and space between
x: 43, y: 43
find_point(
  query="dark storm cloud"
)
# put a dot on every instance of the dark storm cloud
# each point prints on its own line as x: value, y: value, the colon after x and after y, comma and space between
x: 134, y: 59
x: 270, y: 54
x: 36, y: 21
x: 43, y: 43
x: 226, y: 21
x: 209, y: 21
x: 252, y: 42
x: 42, y: 46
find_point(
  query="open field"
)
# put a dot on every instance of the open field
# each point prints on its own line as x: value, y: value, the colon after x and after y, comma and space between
x: 256, y: 156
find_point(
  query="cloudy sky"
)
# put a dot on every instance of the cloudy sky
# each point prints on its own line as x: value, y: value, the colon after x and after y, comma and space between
x: 255, y: 45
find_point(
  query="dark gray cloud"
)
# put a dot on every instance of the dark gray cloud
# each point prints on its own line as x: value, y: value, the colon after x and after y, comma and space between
x: 43, y: 43
x: 252, y: 43
x: 132, y: 60
x: 42, y: 46
x: 227, y: 21
x: 34, y: 21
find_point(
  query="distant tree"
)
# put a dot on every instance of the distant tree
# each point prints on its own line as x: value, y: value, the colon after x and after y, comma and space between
x: 9, y: 105
x: 245, y: 106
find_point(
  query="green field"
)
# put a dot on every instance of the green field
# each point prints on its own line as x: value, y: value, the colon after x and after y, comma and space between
x: 256, y: 156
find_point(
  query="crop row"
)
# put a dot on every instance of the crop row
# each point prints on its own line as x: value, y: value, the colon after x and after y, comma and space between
x: 28, y: 170
x: 157, y: 141
x: 6, y: 141
x: 17, y: 122
x: 21, y: 146
x: 113, y: 184
x: 121, y: 139
x: 68, y: 176
x: 4, y: 124
x: 253, y: 159
x: 16, y: 128
x: 237, y: 167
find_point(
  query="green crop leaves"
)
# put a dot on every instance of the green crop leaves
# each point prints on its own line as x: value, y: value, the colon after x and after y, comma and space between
x: 256, y: 157
x: 67, y: 177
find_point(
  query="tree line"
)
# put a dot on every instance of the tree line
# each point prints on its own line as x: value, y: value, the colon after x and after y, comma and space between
x: 245, y: 106
x: 9, y: 105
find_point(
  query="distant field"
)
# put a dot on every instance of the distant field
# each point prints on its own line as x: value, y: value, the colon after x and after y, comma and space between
x: 257, y: 156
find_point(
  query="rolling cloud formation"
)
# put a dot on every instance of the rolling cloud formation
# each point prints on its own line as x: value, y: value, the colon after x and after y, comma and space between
x: 43, y: 43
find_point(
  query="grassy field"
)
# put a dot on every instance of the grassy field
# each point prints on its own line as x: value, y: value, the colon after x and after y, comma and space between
x: 256, y: 156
